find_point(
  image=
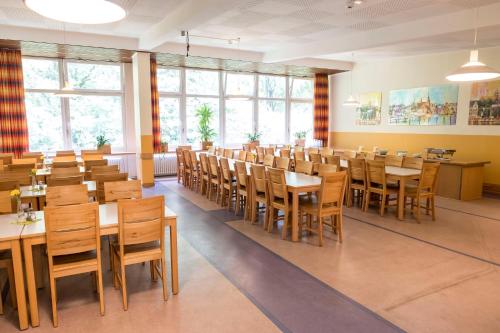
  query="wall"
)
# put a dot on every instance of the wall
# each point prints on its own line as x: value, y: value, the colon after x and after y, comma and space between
x: 471, y: 142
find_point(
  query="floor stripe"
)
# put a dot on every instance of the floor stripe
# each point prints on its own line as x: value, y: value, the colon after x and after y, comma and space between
x: 472, y: 214
x: 292, y: 298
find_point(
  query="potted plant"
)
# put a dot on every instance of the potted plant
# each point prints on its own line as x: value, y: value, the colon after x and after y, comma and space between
x: 163, y: 146
x: 253, y: 139
x: 300, y: 138
x: 103, y: 144
x: 205, y: 114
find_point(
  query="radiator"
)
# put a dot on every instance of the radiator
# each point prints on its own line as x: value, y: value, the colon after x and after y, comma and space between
x: 165, y: 165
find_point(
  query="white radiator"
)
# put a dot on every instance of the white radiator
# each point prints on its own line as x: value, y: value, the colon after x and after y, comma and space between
x: 165, y: 164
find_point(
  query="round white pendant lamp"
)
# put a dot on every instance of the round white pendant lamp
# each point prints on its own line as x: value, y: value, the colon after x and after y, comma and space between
x: 351, y: 101
x: 78, y: 11
x: 474, y: 70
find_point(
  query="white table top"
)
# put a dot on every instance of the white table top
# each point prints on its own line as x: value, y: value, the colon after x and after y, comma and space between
x: 392, y: 170
x: 8, y: 229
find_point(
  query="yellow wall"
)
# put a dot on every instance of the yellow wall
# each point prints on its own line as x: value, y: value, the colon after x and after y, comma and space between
x: 468, y: 147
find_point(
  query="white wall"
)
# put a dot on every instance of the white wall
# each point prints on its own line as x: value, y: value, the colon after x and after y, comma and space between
x: 407, y: 72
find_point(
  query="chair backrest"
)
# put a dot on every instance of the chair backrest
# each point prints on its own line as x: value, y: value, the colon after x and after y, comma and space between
x: 261, y: 152
x: 375, y: 173
x: 428, y: 176
x: 67, y: 164
x: 311, y: 150
x: 213, y: 167
x: 251, y: 157
x: 71, y: 171
x: 22, y: 176
x: 393, y: 160
x: 304, y: 167
x: 64, y: 181
x: 380, y: 157
x: 92, y: 156
x: 65, y: 153
x: 298, y: 148
x: 269, y: 160
x: 276, y: 183
x: 128, y: 189
x: 204, y: 163
x: 6, y: 158
x: 333, y: 159
x: 315, y: 158
x: 285, y: 153
x: 9, y: 185
x: 72, y: 229
x: 193, y: 160
x: 370, y: 156
x: 282, y: 163
x: 211, y: 150
x: 100, y: 179
x: 225, y: 171
x: 141, y: 221
x: 6, y: 203
x: 64, y: 158
x: 269, y: 151
x: 242, y: 155
x: 30, y: 161
x: 89, y: 152
x: 356, y: 168
x: 347, y: 154
x: 332, y: 190
x: 241, y: 174
x: 299, y: 155
x: 325, y: 151
x: 101, y: 169
x: 22, y: 166
x: 324, y: 169
x: 187, y: 159
x: 413, y: 162
x: 258, y: 178
x: 67, y: 195
x: 228, y: 153
x: 220, y: 151
x: 88, y: 164
x: 37, y: 155
x: 186, y: 147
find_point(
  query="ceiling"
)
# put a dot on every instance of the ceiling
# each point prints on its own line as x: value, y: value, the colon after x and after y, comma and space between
x: 282, y: 30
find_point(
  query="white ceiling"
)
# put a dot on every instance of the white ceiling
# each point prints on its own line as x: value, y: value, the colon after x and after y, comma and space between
x: 292, y: 29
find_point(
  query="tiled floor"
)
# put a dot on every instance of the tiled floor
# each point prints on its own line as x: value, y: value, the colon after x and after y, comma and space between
x: 439, y: 276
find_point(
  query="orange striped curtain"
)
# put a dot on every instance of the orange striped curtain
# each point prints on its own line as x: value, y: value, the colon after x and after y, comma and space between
x: 321, y: 109
x: 13, y: 123
x: 155, y: 108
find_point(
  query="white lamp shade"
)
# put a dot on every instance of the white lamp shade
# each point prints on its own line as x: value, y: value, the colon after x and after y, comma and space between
x: 473, y: 71
x: 78, y: 11
x: 351, y: 101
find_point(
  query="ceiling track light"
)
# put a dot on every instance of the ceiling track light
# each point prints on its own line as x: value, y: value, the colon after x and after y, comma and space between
x: 230, y: 41
x: 352, y: 3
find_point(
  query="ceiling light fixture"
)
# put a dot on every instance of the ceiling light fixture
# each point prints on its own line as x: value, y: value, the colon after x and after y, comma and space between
x: 78, y: 11
x: 351, y: 101
x: 351, y: 3
x: 473, y: 70
x: 67, y: 90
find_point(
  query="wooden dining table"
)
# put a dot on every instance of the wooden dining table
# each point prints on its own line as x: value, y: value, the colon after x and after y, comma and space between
x: 34, y: 234
x: 43, y: 173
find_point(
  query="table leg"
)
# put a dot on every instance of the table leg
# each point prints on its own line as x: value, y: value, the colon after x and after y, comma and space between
x: 295, y: 216
x: 173, y: 258
x: 17, y: 262
x: 401, y: 198
x: 30, y: 279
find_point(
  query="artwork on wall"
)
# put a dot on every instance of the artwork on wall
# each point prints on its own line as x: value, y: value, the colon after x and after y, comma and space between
x: 436, y: 105
x: 484, y: 107
x: 368, y: 112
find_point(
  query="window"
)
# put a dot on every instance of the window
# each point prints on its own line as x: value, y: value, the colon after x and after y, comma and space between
x: 169, y: 80
x: 73, y: 122
x: 192, y: 105
x: 239, y: 121
x: 170, y: 120
x: 202, y: 82
x: 272, y: 121
x: 239, y: 84
x: 272, y: 86
x: 301, y: 108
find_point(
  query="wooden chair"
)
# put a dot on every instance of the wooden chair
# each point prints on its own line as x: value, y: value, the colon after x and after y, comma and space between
x: 261, y: 152
x: 187, y: 168
x: 69, y: 164
x: 105, y: 169
x: 376, y: 183
x: 228, y: 153
x: 21, y: 176
x: 215, y: 178
x: 220, y: 151
x: 100, y: 179
x: 91, y: 154
x: 141, y: 238
x: 333, y: 159
x: 73, y: 246
x: 228, y: 187
x: 66, y: 195
x: 278, y: 199
x: 393, y: 160
x: 240, y: 171
x: 7, y: 206
x: 88, y: 165
x: 328, y: 204
x: 305, y: 167
x: 251, y: 157
x: 268, y: 160
x: 347, y: 154
x: 412, y: 162
x: 6, y: 158
x: 285, y: 153
x: 64, y: 181
x: 370, y: 156
x: 298, y: 148
x: 61, y: 153
x: 299, y: 155
x: 29, y: 161
x: 22, y: 166
x: 356, y: 181
x: 315, y: 158
x: 242, y: 155
x: 282, y: 163
x: 310, y: 151
x: 324, y: 169
x: 62, y: 172
x: 259, y: 194
x: 128, y: 189
x: 180, y: 164
x: 6, y: 203
x: 211, y: 150
x: 38, y: 156
x: 269, y: 151
x: 204, y: 176
x: 425, y: 189
x: 325, y: 151
x: 9, y: 185
x: 67, y: 158
x: 195, y: 171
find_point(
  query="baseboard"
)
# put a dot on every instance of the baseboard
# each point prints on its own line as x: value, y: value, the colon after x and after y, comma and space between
x: 491, y: 189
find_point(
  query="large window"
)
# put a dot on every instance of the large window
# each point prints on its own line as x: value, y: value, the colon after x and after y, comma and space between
x: 301, y: 108
x: 73, y: 121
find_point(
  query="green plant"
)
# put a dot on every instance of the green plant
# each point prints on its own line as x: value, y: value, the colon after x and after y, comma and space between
x: 205, y: 114
x: 300, y: 135
x: 102, y: 140
x: 255, y: 136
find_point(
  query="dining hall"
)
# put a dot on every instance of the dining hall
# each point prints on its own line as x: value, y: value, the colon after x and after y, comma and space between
x: 249, y: 166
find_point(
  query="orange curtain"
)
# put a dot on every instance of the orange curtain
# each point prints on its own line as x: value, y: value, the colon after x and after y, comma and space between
x: 155, y: 108
x: 321, y: 109
x: 13, y: 123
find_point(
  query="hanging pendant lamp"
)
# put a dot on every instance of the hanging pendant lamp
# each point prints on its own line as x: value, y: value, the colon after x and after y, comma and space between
x: 351, y: 100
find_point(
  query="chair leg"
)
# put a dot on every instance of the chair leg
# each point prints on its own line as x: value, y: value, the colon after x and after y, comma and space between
x: 427, y: 206
x: 124, y: 287
x: 152, y: 269
x: 339, y: 227
x: 382, y: 205
x: 349, y: 197
x: 367, y: 200
x: 53, y: 298
x: 164, y: 278
x: 12, y: 287
x: 418, y: 209
x: 237, y: 204
x: 100, y: 290
x: 284, y: 229
x: 115, y: 271
x: 320, y: 230
x: 270, y: 222
x: 433, y: 209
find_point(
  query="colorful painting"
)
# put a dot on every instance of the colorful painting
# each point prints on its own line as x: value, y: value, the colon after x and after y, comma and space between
x: 484, y: 107
x: 436, y: 105
x: 368, y: 112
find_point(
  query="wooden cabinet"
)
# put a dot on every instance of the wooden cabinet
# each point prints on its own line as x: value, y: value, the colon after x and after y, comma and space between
x: 461, y: 180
